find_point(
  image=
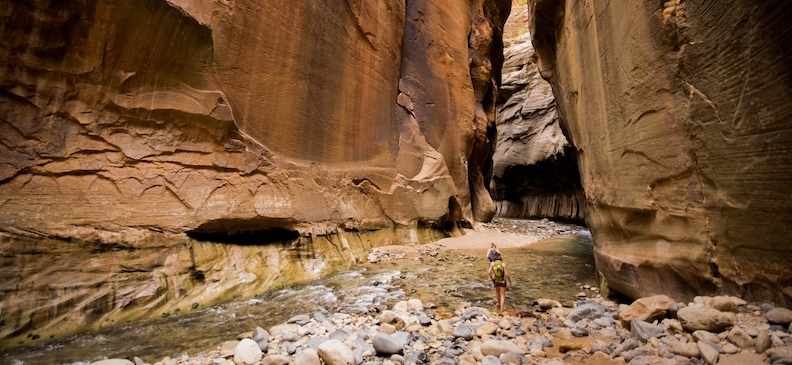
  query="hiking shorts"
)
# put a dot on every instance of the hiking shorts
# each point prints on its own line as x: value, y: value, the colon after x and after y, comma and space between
x: 501, y: 284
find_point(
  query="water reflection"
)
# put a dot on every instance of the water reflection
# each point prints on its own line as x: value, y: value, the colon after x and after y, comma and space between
x: 551, y: 268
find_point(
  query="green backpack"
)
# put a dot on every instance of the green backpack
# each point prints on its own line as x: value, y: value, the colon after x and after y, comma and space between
x: 498, y: 270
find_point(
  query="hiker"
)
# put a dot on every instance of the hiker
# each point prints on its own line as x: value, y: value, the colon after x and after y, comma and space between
x: 491, y: 252
x: 499, y: 275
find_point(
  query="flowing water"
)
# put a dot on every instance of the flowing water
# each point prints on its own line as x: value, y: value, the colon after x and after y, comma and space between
x: 555, y: 268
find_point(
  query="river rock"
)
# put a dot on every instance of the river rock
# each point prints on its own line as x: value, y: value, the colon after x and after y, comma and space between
x: 497, y: 348
x: 463, y: 332
x: 626, y: 345
x: 473, y: 312
x: 644, y: 331
x: 261, y: 336
x: 280, y: 329
x: 540, y: 343
x: 490, y: 360
x: 444, y: 326
x: 605, y: 321
x: 227, y: 348
x: 730, y: 348
x: 546, y: 304
x: 307, y: 356
x: 247, y: 352
x: 708, y: 353
x: 415, y: 304
x: 335, y: 352
x: 702, y: 335
x: 280, y: 360
x: 319, y: 317
x: 387, y: 328
x: 512, y: 358
x: 727, y: 303
x: 704, y: 318
x: 113, y: 362
x: 763, y: 341
x: 300, y: 320
x: 740, y: 338
x: 781, y: 351
x: 293, y: 337
x: 588, y: 310
x: 390, y: 317
x: 684, y: 349
x: 388, y: 344
x: 486, y: 329
x: 646, y: 309
x: 780, y: 316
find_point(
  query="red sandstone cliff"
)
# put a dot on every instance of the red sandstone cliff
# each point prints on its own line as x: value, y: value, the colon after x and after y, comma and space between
x: 681, y: 117
x: 126, y: 125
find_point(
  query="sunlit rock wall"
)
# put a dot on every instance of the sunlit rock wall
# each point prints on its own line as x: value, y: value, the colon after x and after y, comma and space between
x: 681, y: 116
x: 155, y: 127
x: 535, y: 172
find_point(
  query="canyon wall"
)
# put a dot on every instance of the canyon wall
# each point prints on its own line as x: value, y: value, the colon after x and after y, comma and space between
x: 159, y: 155
x: 682, y: 121
x: 535, y: 173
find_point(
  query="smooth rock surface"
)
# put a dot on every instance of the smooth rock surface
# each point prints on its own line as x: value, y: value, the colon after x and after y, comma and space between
x: 387, y: 344
x: 497, y: 348
x: 531, y: 146
x: 171, y: 155
x: 708, y: 353
x: 247, y: 352
x: 335, y: 352
x: 681, y: 118
x: 704, y: 318
x: 689, y: 349
x: 646, y: 309
x: 782, y: 316
x: 307, y: 357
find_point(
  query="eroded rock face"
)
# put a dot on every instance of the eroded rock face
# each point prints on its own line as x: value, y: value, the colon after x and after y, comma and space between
x: 681, y: 116
x: 145, y: 125
x: 535, y: 172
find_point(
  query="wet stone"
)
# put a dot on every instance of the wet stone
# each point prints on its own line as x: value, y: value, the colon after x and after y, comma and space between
x: 579, y: 332
x: 300, y: 320
x: 319, y: 317
x: 463, y: 332
x: 763, y: 341
x: 627, y: 345
x: 644, y: 331
x: 780, y: 316
x: 387, y: 344
x: 708, y: 353
x: 632, y: 354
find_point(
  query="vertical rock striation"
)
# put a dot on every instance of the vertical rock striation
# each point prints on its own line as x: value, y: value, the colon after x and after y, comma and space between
x: 136, y: 133
x: 535, y: 172
x: 681, y: 117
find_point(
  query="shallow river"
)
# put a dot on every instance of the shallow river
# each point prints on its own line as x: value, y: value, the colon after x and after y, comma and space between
x: 554, y: 268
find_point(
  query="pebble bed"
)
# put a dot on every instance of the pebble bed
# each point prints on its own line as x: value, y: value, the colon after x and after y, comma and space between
x: 653, y: 330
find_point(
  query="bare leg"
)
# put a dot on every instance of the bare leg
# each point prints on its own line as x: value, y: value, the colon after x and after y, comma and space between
x: 501, y: 291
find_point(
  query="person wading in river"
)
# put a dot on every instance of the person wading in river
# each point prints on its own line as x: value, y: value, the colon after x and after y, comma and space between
x: 499, y: 275
x: 491, y: 253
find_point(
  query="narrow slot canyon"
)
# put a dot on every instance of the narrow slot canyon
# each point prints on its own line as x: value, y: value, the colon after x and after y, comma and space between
x: 253, y: 182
